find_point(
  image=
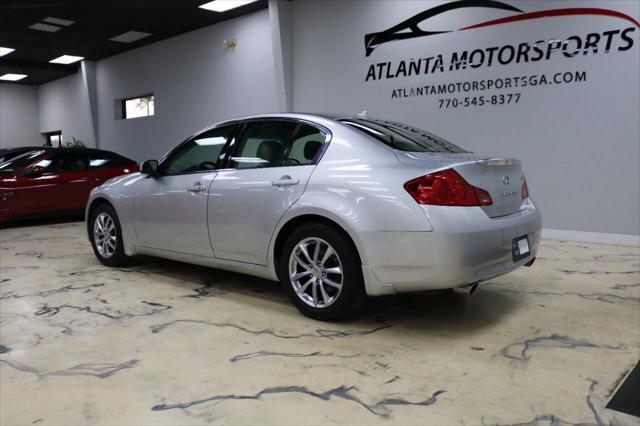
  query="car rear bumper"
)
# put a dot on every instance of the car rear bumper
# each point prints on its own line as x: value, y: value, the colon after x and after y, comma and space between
x: 464, y: 247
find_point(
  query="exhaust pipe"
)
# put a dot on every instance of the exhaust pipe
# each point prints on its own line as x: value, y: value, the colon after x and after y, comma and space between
x: 529, y: 263
x: 466, y: 290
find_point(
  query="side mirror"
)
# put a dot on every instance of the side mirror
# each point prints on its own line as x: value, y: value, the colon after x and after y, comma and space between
x: 34, y: 172
x: 149, y: 167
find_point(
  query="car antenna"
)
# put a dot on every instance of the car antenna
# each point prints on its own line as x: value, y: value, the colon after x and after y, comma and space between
x: 364, y: 114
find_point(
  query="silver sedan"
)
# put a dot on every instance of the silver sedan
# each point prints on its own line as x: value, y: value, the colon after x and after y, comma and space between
x: 336, y: 208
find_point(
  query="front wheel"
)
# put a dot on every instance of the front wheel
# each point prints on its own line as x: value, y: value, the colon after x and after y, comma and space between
x: 106, y: 237
x: 321, y: 272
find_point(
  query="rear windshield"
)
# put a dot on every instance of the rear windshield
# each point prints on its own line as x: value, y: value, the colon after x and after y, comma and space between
x: 102, y: 159
x: 19, y: 161
x: 402, y: 136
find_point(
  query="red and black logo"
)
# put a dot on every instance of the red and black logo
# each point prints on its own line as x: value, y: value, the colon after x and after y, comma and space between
x: 410, y: 28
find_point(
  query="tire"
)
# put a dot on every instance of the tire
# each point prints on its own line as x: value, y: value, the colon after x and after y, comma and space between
x: 318, y: 273
x: 109, y: 254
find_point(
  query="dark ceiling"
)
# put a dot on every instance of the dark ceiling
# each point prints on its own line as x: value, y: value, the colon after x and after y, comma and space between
x: 95, y: 23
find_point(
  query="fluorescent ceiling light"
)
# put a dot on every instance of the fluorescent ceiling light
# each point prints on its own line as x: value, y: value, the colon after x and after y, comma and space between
x: 12, y: 77
x: 58, y: 21
x: 224, y: 5
x: 5, y: 50
x: 66, y: 59
x: 130, y: 36
x: 44, y: 27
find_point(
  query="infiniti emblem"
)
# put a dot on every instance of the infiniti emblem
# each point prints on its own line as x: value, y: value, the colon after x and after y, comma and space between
x: 506, y: 180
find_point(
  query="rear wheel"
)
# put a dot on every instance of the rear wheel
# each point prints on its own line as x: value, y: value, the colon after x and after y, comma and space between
x: 321, y: 272
x: 106, y: 237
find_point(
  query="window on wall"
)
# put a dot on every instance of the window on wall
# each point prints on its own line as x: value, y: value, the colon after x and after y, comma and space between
x: 53, y: 138
x: 143, y: 106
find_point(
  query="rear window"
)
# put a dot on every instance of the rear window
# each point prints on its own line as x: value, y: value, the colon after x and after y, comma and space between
x: 102, y: 159
x: 401, y: 136
x: 19, y: 161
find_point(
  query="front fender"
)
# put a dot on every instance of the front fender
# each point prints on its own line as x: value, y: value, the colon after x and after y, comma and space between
x: 118, y: 192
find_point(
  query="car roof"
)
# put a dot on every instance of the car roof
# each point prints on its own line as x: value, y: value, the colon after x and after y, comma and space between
x: 52, y: 148
x: 87, y: 150
x: 318, y: 118
x: 21, y: 148
x: 294, y: 115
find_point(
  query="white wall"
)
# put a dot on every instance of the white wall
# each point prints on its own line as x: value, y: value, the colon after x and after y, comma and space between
x: 19, y: 116
x: 580, y: 143
x: 63, y: 105
x: 196, y: 81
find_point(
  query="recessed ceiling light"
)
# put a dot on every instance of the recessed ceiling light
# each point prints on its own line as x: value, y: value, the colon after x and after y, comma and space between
x: 130, y: 36
x: 58, y: 21
x: 12, y: 77
x: 5, y: 50
x: 44, y: 27
x: 224, y: 5
x: 66, y: 59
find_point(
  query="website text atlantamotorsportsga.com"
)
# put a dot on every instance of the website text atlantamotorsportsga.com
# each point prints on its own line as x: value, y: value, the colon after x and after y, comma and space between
x: 499, y: 83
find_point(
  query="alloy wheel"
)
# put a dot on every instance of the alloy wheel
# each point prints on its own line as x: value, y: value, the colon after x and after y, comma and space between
x: 104, y: 235
x: 315, y: 272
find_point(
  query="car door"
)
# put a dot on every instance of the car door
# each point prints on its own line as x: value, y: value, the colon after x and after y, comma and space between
x: 170, y: 210
x: 55, y: 183
x: 15, y: 200
x: 266, y: 172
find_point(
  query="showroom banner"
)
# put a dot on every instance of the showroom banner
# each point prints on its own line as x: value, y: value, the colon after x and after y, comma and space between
x: 549, y: 82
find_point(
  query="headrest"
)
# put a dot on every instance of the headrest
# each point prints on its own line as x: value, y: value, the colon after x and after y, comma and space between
x: 269, y: 151
x: 311, y: 149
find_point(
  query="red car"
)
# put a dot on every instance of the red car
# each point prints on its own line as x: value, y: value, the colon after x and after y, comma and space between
x: 56, y: 180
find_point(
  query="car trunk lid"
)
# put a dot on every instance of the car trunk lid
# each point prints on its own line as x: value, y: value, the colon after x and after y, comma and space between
x: 501, y: 177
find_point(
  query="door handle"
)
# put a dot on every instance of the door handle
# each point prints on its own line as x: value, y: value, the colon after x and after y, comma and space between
x: 197, y: 187
x: 285, y: 180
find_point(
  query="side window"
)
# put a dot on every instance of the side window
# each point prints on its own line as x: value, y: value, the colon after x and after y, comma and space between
x: 306, y: 145
x: 199, y: 153
x: 64, y: 162
x: 263, y: 144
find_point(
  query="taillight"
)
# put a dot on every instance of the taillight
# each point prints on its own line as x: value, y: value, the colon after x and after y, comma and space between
x: 447, y: 188
x: 525, y: 190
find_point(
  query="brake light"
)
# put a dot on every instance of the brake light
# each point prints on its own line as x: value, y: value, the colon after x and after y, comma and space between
x: 525, y: 190
x: 446, y: 188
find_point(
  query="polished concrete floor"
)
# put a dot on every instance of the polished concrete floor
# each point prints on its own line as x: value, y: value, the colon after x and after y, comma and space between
x: 168, y: 343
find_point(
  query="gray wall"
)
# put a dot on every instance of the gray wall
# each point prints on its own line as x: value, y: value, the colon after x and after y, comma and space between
x: 19, y: 116
x: 580, y: 143
x: 196, y: 81
x: 195, y: 78
x: 64, y: 105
